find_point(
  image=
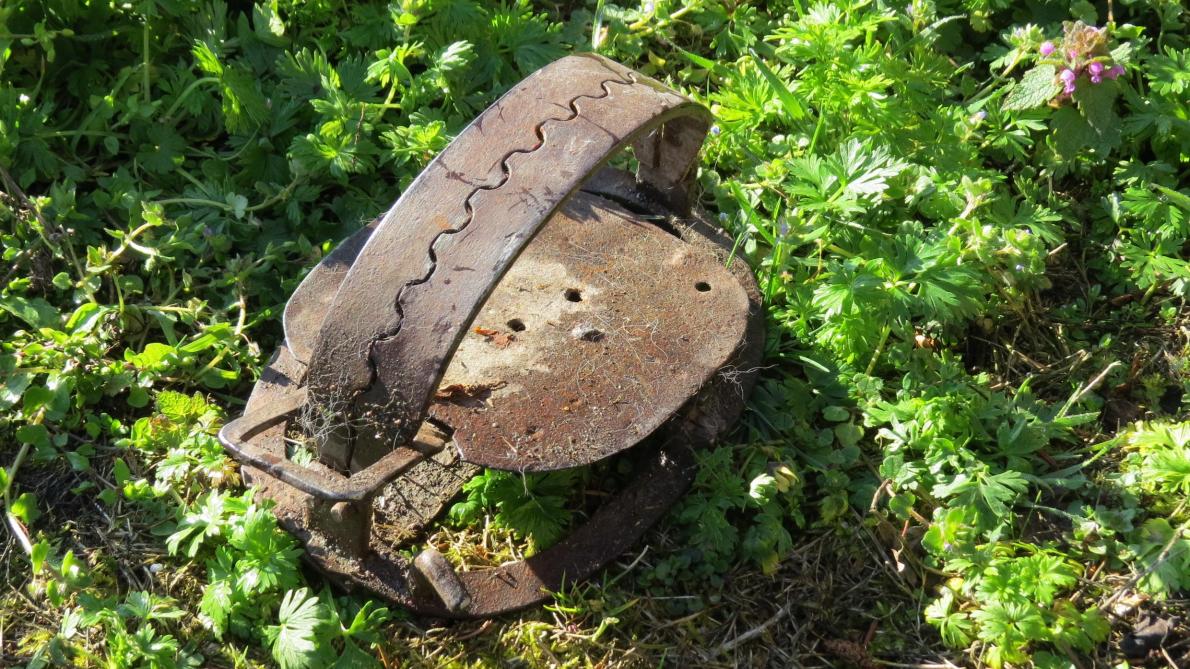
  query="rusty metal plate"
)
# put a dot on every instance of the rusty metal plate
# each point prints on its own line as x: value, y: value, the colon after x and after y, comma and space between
x: 598, y: 334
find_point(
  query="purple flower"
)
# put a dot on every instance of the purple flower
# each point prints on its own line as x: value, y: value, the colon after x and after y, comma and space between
x: 1067, y: 76
x: 1115, y: 71
x: 1047, y: 48
x: 1095, y: 79
x: 1095, y: 68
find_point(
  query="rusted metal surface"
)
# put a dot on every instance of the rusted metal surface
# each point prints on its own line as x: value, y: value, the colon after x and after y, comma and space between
x: 440, y: 575
x: 267, y: 453
x: 495, y: 317
x: 403, y: 508
x: 602, y: 330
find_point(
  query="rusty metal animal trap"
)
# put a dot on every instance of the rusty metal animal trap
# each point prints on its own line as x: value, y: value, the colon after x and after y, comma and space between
x: 521, y: 307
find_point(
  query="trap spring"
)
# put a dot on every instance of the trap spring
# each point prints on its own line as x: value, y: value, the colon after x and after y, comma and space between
x: 520, y: 307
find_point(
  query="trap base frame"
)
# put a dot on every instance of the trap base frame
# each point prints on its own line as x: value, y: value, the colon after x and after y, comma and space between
x: 520, y: 307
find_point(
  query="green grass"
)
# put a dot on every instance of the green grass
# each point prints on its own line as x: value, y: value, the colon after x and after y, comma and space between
x: 969, y: 444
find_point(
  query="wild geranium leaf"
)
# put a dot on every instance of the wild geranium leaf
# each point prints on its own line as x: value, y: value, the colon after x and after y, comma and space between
x: 1169, y: 469
x: 864, y: 169
x: 207, y: 518
x: 1166, y: 570
x: 955, y: 627
x: 541, y: 518
x: 532, y: 505
x: 269, y: 555
x: 148, y: 606
x: 267, y: 24
x: 1081, y: 630
x: 293, y: 638
x: 1012, y: 625
x: 1167, y: 72
x: 207, y: 59
x: 715, y: 534
x: 163, y: 152
x: 366, y: 622
x: 219, y: 596
x: 767, y: 541
x: 455, y: 56
x: 1042, y: 575
x: 789, y: 102
x: 989, y: 495
x: 948, y: 291
x: 243, y: 104
x: 389, y: 68
x: 762, y: 488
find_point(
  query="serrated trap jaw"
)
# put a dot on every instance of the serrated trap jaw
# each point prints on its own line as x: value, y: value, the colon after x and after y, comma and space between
x: 520, y: 307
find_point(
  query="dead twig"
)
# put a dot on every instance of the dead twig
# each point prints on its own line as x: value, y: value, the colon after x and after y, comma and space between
x: 728, y: 646
x: 1161, y: 558
x: 1088, y: 387
x: 14, y: 524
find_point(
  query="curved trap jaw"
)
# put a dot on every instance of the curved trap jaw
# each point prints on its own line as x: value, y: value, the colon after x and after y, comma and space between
x: 521, y: 307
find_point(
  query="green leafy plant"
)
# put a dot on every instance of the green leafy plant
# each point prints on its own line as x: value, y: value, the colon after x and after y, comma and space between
x: 531, y: 505
x: 970, y: 236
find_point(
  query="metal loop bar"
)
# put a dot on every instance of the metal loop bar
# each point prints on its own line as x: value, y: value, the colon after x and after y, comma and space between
x: 238, y: 437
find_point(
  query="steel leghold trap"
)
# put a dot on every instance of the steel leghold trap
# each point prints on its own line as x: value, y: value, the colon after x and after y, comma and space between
x: 520, y: 307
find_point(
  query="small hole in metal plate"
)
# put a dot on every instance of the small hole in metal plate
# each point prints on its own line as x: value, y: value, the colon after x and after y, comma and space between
x: 573, y: 295
x: 702, y: 287
x: 516, y: 325
x: 586, y: 333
